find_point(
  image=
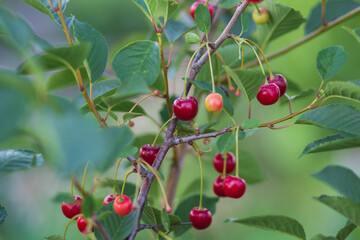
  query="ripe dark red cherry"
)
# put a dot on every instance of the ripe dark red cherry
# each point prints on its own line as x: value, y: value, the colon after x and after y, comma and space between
x: 200, y: 219
x: 218, y: 186
x: 148, y: 153
x: 218, y: 162
x: 83, y: 226
x: 72, y: 209
x: 122, y: 205
x: 234, y: 187
x: 280, y: 81
x: 109, y: 198
x: 268, y: 94
x: 185, y: 109
x: 195, y: 5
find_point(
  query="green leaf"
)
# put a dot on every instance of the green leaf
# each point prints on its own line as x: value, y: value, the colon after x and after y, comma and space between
x: 125, y: 106
x: 56, y: 58
x: 330, y: 60
x: 109, y: 183
x: 13, y: 103
x: 192, y: 38
x: 194, y: 187
x: 104, y: 215
x: 138, y: 62
x: 87, y: 206
x: 248, y: 80
x: 334, y: 9
x: 228, y: 3
x: 165, y: 221
x: 343, y: 89
x: 341, y: 179
x: 203, y: 128
x: 300, y: 95
x: 283, y: 19
x: 62, y: 197
x: 354, y: 32
x: 118, y: 227
x: 189, y: 203
x: 98, y: 54
x: 345, y: 231
x: 3, y: 214
x: 249, y: 169
x: 225, y: 142
x: 64, y: 78
x: 344, y: 206
x: 100, y: 90
x: 129, y: 116
x: 331, y: 143
x: 175, y: 29
x: 44, y: 7
x: 54, y: 237
x: 280, y: 224
x: 152, y: 7
x: 14, y: 160
x: 250, y: 123
x: 202, y: 18
x: 341, y: 118
x: 143, y: 7
x: 207, y: 87
x: 322, y: 237
x: 16, y: 31
x: 146, y: 138
x: 245, y: 23
x: 153, y: 215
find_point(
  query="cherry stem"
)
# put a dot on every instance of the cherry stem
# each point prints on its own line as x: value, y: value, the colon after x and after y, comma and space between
x: 68, y: 224
x: 258, y: 9
x: 207, y: 3
x: 72, y: 187
x: 164, y: 235
x: 232, y: 119
x: 201, y: 179
x: 116, y: 172
x: 290, y: 106
x: 188, y: 67
x: 158, y: 134
x: 257, y: 56
x: 237, y: 150
x: 141, y: 100
x: 263, y: 55
x: 226, y: 72
x: 124, y: 183
x: 211, y: 68
x: 318, y: 92
x: 168, y: 208
x: 323, y: 13
x: 84, y: 177
x: 137, y: 184
x: 242, y: 57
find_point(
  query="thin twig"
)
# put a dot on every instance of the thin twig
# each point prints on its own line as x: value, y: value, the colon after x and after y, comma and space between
x: 177, y: 140
x: 153, y: 226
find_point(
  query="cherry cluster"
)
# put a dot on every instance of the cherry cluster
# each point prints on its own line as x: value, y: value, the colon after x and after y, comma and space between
x: 270, y: 92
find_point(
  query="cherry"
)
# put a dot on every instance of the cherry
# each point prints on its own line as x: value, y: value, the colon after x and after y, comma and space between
x: 214, y: 102
x: 218, y: 162
x: 268, y: 94
x: 280, y: 81
x: 148, y: 153
x: 83, y: 226
x: 109, y: 198
x: 218, y: 186
x: 200, y: 219
x: 122, y: 205
x: 72, y: 209
x: 262, y: 17
x: 234, y: 187
x: 254, y: 1
x: 185, y: 109
x: 195, y: 5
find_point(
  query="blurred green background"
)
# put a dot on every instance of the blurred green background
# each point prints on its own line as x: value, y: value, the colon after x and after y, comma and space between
x: 289, y: 188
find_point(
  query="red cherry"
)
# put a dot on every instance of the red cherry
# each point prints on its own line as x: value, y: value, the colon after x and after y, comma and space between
x: 214, y: 102
x: 109, y: 198
x: 185, y: 109
x: 200, y: 219
x: 83, y: 226
x: 268, y: 94
x: 148, y: 153
x: 218, y: 162
x: 72, y: 209
x: 234, y: 187
x: 218, y: 186
x: 122, y: 205
x: 254, y: 1
x: 195, y: 4
x: 280, y: 81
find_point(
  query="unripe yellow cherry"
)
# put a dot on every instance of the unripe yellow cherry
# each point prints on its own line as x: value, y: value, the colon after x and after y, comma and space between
x: 260, y: 18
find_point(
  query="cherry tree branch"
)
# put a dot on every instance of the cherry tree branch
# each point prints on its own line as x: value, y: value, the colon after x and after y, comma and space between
x: 153, y: 226
x: 167, y: 141
x: 177, y: 140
